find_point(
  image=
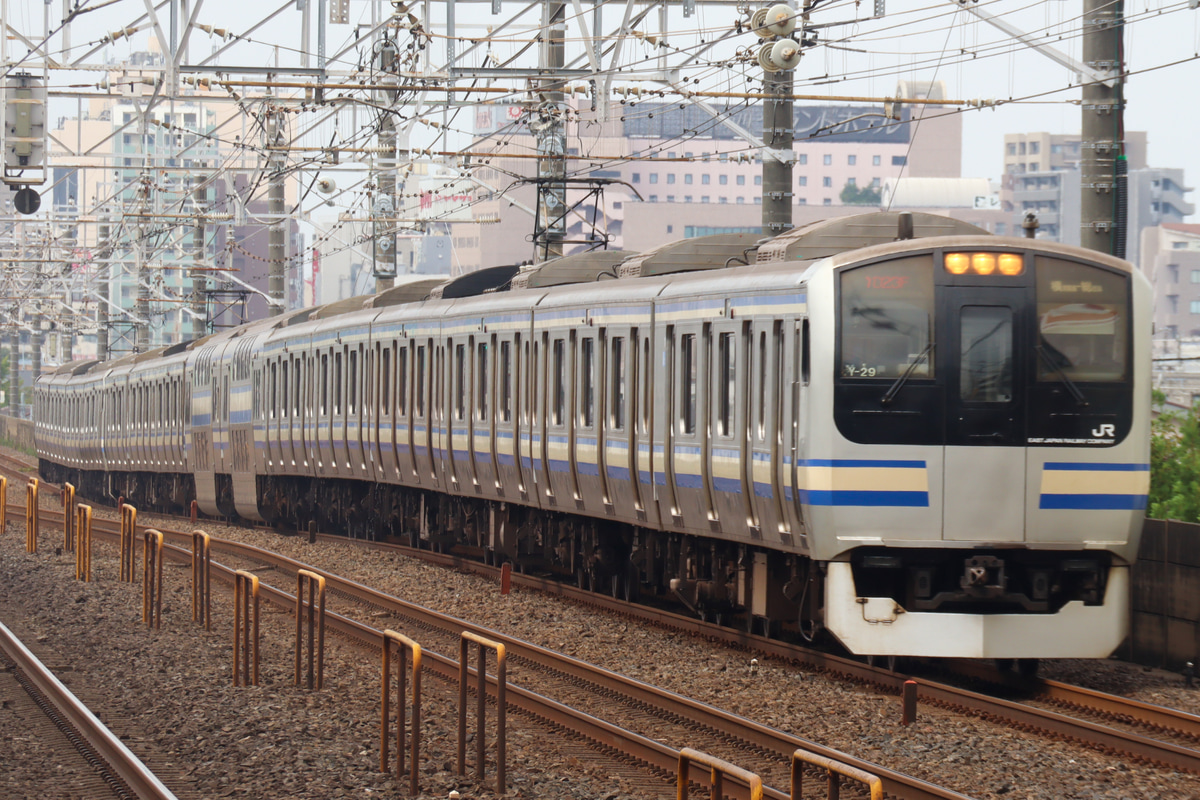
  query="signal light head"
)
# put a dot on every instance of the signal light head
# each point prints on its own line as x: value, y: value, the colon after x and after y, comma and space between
x: 1008, y: 264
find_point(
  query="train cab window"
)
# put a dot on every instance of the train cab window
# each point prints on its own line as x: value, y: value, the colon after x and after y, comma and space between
x: 1083, y: 322
x: 587, y: 405
x: 505, y: 377
x: 887, y: 320
x: 560, y: 393
x: 986, y: 358
x: 726, y: 382
x: 617, y: 402
x: 687, y: 383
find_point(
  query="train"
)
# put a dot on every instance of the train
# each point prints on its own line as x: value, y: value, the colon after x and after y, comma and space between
x: 893, y: 429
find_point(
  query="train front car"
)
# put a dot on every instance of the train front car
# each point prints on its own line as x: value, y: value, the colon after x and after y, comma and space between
x: 981, y: 493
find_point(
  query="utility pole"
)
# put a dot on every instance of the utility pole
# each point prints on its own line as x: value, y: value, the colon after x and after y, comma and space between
x: 551, y: 133
x: 276, y: 248
x: 1102, y: 160
x: 199, y: 279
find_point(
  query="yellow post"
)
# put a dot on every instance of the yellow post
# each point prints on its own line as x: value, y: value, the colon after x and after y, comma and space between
x: 31, y: 516
x: 152, y: 558
x: 83, y: 544
x: 835, y: 770
x: 717, y: 771
x: 128, y: 555
x: 201, y: 573
x: 405, y: 645
x: 3, y: 504
x: 68, y: 504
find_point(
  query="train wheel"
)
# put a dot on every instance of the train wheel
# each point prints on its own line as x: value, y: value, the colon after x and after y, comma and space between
x: 1027, y: 667
x: 1005, y: 664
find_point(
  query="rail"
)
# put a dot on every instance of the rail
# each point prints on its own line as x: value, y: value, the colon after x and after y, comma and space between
x: 122, y: 763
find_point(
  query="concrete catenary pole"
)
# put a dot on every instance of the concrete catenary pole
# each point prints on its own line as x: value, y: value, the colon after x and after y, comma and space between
x: 1103, y: 129
x: 14, y: 371
x: 552, y: 136
x: 276, y: 250
x: 777, y: 135
x: 385, y: 203
x: 104, y: 273
x: 199, y: 277
x: 142, y: 305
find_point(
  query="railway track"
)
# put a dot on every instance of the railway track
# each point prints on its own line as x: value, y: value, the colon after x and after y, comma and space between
x: 117, y: 772
x: 647, y: 715
x: 1108, y: 723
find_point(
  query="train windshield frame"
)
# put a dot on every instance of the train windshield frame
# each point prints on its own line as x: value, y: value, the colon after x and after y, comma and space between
x: 1048, y: 345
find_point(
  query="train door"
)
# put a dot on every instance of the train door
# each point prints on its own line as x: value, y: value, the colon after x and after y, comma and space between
x: 765, y: 398
x: 292, y: 432
x: 985, y: 423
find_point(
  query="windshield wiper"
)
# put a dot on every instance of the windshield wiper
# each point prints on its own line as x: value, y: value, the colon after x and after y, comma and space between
x: 1062, y: 375
x: 894, y: 389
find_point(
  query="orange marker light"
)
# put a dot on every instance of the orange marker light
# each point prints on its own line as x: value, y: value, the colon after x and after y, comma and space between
x: 983, y: 263
x: 1011, y: 264
x: 957, y: 263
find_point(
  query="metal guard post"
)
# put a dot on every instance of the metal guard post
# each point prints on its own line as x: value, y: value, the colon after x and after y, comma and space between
x: 405, y: 645
x: 152, y: 558
x: 31, y: 516
x: 245, y: 658
x: 83, y: 544
x: 315, y: 605
x: 836, y: 770
x: 68, y: 504
x: 481, y: 706
x: 128, y: 532
x: 201, y: 574
x: 3, y: 504
x: 718, y: 769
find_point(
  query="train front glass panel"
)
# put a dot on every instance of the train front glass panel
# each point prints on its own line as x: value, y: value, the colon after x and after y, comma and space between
x: 1037, y: 355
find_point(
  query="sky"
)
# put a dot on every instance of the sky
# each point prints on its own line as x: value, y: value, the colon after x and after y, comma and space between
x: 915, y: 39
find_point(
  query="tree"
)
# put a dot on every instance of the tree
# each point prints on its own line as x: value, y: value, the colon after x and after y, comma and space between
x: 1174, y: 464
x: 866, y: 196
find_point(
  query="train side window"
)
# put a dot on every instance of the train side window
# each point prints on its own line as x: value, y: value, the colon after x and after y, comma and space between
x: 587, y: 382
x: 505, y: 378
x: 420, y: 385
x: 618, y: 383
x: 337, y: 383
x: 762, y: 384
x: 727, y: 382
x: 805, y: 353
x: 560, y: 395
x: 687, y: 383
x: 352, y: 385
x: 402, y: 379
x: 386, y: 384
x: 324, y: 384
x: 296, y: 386
x: 460, y: 370
x: 647, y: 383
x: 481, y: 380
x: 283, y: 389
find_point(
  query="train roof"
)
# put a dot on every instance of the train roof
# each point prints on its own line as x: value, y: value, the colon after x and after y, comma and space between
x: 830, y: 237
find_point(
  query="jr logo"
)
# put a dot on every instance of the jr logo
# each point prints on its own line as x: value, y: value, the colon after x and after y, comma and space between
x: 1105, y: 432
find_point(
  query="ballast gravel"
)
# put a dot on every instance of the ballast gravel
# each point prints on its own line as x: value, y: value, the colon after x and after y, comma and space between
x: 170, y: 693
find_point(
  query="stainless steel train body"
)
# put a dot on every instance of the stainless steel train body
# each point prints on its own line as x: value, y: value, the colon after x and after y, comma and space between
x: 932, y: 446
